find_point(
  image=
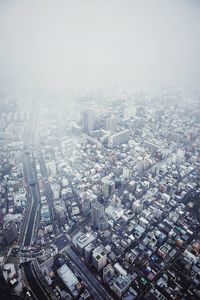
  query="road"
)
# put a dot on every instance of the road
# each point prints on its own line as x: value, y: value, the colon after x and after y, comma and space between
x: 49, y: 195
x: 33, y: 283
x: 34, y: 201
x: 30, y: 177
x: 95, y: 288
x: 32, y: 217
x: 30, y: 172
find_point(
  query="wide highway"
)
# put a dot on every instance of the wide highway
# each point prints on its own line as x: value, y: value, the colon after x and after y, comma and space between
x: 34, y: 201
x: 39, y: 293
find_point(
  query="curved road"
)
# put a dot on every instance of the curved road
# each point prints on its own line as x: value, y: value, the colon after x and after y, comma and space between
x: 34, y: 286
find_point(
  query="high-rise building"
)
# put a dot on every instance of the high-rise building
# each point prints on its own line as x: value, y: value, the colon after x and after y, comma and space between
x: 108, y: 273
x: 10, y: 233
x: 111, y: 124
x: 99, y: 258
x: 97, y: 213
x: 108, y: 187
x: 88, y: 252
x: 88, y: 121
x: 86, y: 199
x: 103, y: 223
x: 75, y: 129
x: 127, y: 172
x: 85, y: 206
x: 137, y: 206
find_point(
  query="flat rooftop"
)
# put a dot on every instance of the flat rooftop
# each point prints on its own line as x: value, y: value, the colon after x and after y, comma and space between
x: 68, y: 277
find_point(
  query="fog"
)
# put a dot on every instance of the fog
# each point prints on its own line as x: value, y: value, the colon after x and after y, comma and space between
x: 77, y: 43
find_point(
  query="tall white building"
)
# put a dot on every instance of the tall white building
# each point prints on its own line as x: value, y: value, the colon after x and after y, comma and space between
x: 88, y: 121
x: 137, y: 206
x: 111, y: 124
x: 99, y: 258
x: 97, y: 213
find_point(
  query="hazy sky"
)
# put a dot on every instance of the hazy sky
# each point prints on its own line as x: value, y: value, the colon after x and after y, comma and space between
x: 56, y: 43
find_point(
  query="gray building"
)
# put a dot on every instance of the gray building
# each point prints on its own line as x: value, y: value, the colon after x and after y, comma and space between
x: 88, y: 252
x: 118, y: 138
x: 68, y: 278
x: 88, y: 121
x: 81, y: 240
x: 97, y: 213
x: 121, y: 285
x: 108, y: 273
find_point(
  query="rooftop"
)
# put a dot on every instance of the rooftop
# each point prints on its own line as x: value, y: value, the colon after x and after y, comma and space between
x: 67, y: 277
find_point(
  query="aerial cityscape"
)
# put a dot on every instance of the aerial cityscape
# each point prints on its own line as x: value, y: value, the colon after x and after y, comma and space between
x: 99, y: 180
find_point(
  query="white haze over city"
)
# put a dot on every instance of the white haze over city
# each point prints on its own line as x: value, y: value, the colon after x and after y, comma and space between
x: 64, y: 43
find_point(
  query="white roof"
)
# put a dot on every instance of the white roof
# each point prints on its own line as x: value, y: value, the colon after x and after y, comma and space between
x: 67, y: 276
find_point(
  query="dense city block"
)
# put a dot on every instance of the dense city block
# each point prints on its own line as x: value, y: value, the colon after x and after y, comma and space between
x: 100, y: 199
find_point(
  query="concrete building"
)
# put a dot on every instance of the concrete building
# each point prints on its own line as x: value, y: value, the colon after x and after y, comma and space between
x: 137, y: 206
x: 9, y: 271
x: 143, y: 222
x: 103, y: 223
x: 99, y: 258
x: 97, y: 213
x: 113, y: 212
x: 93, y: 141
x: 111, y: 124
x: 132, y: 186
x: 86, y: 206
x: 151, y: 146
x: 68, y: 278
x: 121, y: 285
x: 88, y: 121
x: 119, y: 269
x: 108, y: 187
x: 56, y: 190
x: 75, y: 129
x: 118, y: 138
x: 88, y: 252
x: 164, y: 250
x: 81, y: 240
x: 108, y: 273
x: 86, y: 199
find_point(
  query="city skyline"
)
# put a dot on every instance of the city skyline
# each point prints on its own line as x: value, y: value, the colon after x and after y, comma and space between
x: 99, y: 150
